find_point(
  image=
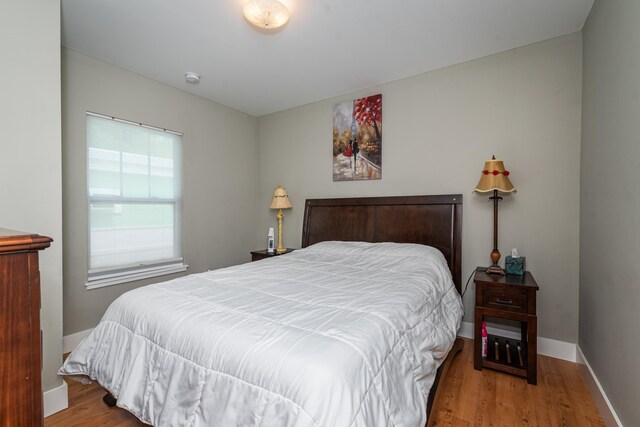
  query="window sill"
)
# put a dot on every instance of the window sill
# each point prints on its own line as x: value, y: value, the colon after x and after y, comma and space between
x: 108, y: 279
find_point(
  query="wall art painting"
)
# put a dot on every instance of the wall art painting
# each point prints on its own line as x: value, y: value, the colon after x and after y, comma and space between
x: 357, y: 139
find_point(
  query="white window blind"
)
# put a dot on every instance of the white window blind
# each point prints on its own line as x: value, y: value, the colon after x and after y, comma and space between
x: 134, y: 201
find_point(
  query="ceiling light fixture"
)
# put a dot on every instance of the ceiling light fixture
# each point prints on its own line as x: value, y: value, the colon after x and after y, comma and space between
x: 191, y: 77
x: 266, y: 14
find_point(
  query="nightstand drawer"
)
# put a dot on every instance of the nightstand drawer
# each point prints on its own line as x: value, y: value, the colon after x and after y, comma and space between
x: 503, y: 298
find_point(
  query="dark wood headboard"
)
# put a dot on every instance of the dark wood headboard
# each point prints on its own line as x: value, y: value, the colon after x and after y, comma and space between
x: 429, y: 220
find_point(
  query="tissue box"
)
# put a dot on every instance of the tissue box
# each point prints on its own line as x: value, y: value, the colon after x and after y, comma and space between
x: 514, y: 265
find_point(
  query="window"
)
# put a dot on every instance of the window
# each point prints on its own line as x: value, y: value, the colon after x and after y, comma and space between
x: 133, y: 182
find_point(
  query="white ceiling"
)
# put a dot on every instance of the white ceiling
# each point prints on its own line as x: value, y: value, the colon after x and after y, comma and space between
x: 329, y: 47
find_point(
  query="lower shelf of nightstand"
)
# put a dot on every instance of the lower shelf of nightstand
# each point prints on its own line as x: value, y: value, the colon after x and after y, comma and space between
x: 502, y: 363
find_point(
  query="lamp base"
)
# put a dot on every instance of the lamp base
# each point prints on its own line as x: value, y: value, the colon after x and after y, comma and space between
x: 495, y: 269
x: 495, y: 257
x: 280, y: 249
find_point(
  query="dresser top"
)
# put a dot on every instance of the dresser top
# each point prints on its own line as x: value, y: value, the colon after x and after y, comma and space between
x: 12, y: 241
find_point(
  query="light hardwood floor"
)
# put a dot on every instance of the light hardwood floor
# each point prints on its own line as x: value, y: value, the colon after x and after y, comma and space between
x: 491, y: 398
x: 485, y: 398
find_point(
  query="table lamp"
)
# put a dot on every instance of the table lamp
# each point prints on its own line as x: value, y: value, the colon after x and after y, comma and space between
x: 280, y: 201
x: 495, y: 178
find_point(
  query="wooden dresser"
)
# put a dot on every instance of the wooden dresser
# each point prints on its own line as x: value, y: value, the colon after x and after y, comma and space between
x: 20, y: 336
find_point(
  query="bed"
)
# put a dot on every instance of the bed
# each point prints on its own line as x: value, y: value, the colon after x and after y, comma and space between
x: 355, y: 329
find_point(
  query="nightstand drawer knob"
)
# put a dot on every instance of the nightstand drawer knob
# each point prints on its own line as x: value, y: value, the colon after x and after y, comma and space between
x: 504, y: 301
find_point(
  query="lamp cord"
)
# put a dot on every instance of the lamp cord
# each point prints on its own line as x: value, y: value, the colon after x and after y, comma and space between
x: 467, y: 285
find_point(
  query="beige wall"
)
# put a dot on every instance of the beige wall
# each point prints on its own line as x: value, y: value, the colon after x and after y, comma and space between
x: 438, y: 129
x: 610, y: 203
x: 219, y: 174
x: 30, y: 144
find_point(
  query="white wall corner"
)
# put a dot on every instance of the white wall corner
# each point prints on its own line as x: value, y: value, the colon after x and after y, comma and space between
x: 546, y: 346
x: 56, y: 399
x: 70, y: 342
x: 607, y: 412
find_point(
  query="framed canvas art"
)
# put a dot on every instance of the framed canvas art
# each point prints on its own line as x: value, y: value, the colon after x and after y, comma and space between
x: 357, y: 139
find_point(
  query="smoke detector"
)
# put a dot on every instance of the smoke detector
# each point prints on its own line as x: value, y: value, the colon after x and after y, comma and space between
x: 191, y: 77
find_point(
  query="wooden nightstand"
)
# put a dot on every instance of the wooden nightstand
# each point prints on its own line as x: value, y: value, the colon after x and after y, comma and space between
x: 507, y: 297
x: 258, y: 255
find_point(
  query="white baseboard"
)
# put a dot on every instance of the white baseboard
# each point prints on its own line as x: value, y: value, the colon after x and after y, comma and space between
x: 546, y: 346
x: 69, y: 342
x: 607, y: 412
x: 56, y: 399
x: 558, y: 349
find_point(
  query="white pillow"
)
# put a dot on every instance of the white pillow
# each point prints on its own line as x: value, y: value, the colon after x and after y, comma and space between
x: 385, y: 248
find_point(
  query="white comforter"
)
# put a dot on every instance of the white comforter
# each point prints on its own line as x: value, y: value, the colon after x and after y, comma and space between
x: 338, y: 334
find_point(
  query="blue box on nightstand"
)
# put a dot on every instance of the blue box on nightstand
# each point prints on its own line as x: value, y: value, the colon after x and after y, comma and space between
x: 514, y: 265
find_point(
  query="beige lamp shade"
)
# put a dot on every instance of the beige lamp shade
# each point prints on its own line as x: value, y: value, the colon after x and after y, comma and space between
x: 495, y: 177
x: 280, y: 199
